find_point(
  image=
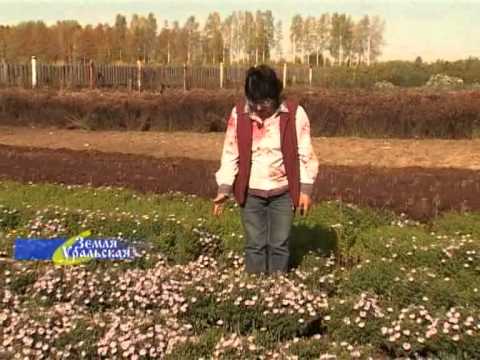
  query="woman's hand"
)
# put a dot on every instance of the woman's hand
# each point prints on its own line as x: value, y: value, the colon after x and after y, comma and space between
x: 218, y: 203
x: 304, y: 203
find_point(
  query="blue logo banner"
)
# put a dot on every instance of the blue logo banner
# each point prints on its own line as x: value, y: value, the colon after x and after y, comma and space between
x: 36, y: 249
x: 75, y: 250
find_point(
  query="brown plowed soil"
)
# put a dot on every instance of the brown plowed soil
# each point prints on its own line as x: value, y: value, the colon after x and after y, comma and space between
x: 428, y: 153
x: 419, y: 192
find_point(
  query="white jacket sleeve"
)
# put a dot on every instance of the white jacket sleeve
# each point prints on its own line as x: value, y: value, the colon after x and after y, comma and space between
x: 308, y: 160
x: 229, y: 160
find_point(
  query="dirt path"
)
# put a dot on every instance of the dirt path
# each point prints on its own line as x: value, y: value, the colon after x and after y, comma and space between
x: 393, y: 153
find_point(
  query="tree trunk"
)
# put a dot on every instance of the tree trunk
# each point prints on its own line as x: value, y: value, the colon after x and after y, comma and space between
x: 293, y: 52
x: 369, y: 50
x: 168, y: 52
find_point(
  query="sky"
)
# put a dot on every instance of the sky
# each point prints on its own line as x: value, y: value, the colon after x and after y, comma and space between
x: 432, y: 29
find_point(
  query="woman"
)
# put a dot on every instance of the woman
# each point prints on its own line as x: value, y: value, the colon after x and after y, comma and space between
x: 269, y: 167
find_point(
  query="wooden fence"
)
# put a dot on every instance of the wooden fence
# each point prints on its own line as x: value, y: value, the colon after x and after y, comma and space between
x: 139, y: 76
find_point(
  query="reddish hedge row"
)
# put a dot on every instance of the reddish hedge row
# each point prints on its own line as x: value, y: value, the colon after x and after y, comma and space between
x: 399, y: 113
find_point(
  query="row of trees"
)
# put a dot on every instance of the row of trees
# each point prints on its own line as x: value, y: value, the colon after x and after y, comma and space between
x: 338, y: 38
x: 242, y: 37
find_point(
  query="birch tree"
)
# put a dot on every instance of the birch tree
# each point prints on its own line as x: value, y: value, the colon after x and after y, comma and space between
x: 278, y: 39
x: 213, y: 38
x: 192, y: 36
x: 296, y: 33
x: 309, y: 38
x: 323, y: 37
x: 377, y: 41
x: 120, y: 31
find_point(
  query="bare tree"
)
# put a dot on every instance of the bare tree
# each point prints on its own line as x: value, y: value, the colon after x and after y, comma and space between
x: 376, y: 41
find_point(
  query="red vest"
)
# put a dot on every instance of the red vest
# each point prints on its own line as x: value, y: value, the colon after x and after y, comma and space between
x: 289, y: 148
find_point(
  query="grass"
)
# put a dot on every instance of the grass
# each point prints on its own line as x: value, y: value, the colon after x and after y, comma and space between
x: 366, y: 283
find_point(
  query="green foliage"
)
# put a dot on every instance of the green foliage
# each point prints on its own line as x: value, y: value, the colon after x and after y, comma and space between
x: 353, y: 221
x: 309, y: 349
x: 397, y: 72
x: 82, y: 339
x: 454, y: 223
x: 22, y: 280
x: 9, y: 218
x: 178, y: 243
x: 193, y: 350
x: 384, y: 279
x: 409, y: 245
x: 206, y: 312
x: 367, y: 334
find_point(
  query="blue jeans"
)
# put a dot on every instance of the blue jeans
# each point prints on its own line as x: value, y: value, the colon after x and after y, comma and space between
x: 267, y: 223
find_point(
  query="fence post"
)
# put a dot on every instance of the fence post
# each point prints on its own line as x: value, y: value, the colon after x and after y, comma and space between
x: 221, y: 75
x: 284, y: 75
x: 91, y: 74
x: 184, y: 77
x: 5, y: 72
x: 139, y: 75
x: 34, y: 72
x: 310, y: 76
x: 62, y: 77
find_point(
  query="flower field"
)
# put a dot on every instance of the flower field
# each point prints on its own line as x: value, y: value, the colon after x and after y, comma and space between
x: 365, y: 283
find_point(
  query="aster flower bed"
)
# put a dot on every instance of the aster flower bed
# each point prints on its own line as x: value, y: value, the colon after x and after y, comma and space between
x: 367, y: 284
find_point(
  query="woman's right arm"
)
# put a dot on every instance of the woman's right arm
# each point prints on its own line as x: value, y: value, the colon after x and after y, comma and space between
x: 225, y: 175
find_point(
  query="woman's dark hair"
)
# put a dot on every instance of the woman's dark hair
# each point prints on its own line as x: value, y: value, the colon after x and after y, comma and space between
x: 262, y: 83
